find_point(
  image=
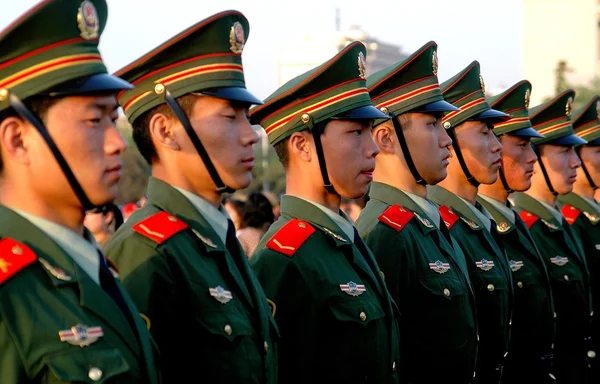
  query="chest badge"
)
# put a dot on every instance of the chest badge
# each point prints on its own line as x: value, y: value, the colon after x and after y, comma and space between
x: 440, y: 267
x: 559, y: 260
x: 515, y: 265
x: 484, y: 264
x: 353, y: 289
x: 81, y: 335
x: 220, y: 294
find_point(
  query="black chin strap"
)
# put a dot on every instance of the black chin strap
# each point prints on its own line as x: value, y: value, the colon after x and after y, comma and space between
x: 544, y: 172
x: 507, y: 188
x: 26, y: 114
x: 316, y: 134
x: 461, y: 160
x: 585, y: 171
x: 183, y: 119
x: 409, y: 161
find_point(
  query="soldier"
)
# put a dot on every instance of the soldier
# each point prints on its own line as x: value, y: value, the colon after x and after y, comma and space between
x: 178, y: 255
x: 530, y: 350
x: 475, y: 159
x: 336, y: 317
x: 582, y: 212
x: 554, y: 174
x: 424, y: 267
x: 60, y: 157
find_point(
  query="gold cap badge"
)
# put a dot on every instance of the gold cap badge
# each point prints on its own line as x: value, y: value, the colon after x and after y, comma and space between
x: 237, y: 38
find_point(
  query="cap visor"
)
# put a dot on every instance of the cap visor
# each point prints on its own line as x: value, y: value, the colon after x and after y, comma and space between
x: 99, y: 83
x: 567, y: 140
x: 436, y: 106
x: 594, y: 143
x: 234, y: 94
x: 526, y: 132
x: 367, y: 112
x: 491, y: 114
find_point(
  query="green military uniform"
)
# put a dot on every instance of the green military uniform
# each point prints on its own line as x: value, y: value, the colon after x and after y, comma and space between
x: 475, y: 232
x: 424, y: 267
x: 63, y: 316
x: 583, y: 215
x: 531, y: 347
x: 178, y: 255
x: 337, y: 320
x: 560, y: 250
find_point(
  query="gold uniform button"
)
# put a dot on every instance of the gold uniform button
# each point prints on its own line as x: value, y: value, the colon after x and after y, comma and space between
x: 394, y: 366
x: 228, y: 329
x: 266, y: 347
x: 520, y: 284
x: 446, y: 292
x: 591, y: 354
x: 363, y: 316
x: 566, y: 277
x: 95, y: 374
x: 172, y: 219
x: 491, y: 287
x: 555, y: 315
x: 592, y: 313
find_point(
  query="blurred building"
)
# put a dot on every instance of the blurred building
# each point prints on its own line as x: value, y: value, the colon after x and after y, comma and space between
x: 555, y: 31
x: 299, y: 56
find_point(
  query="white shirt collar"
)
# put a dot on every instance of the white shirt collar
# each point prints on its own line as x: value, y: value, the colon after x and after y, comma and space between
x: 346, y: 226
x: 216, y: 218
x: 485, y: 216
x: 506, y: 211
x: 427, y: 206
x: 84, y: 252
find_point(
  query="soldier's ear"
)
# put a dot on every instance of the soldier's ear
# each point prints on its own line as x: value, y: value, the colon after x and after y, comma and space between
x: 13, y: 140
x: 163, y: 133
x: 385, y: 137
x: 300, y: 145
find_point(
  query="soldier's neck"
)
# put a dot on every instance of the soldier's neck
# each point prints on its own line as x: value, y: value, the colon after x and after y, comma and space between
x: 398, y: 177
x: 496, y: 191
x: 542, y: 193
x: 69, y: 214
x: 583, y: 188
x: 204, y: 188
x: 312, y: 191
x: 460, y: 186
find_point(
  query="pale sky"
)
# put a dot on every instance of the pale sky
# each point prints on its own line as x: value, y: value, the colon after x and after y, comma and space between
x: 486, y: 30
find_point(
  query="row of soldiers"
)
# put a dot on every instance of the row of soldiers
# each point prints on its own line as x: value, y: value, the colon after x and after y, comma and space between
x: 472, y: 262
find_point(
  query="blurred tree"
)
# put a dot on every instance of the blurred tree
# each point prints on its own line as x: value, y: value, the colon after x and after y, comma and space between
x: 583, y: 92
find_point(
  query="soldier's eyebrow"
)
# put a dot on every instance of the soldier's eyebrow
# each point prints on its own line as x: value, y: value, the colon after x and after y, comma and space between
x: 109, y: 106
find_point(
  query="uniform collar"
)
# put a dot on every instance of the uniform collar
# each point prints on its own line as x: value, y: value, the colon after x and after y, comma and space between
x: 505, y: 210
x: 217, y: 218
x: 83, y: 251
x: 553, y: 211
x: 427, y: 206
x: 343, y: 222
x: 482, y: 214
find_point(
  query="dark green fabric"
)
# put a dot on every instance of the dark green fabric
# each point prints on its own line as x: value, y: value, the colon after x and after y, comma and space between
x: 170, y: 284
x: 494, y: 308
x: 533, y: 328
x: 434, y: 327
x: 323, y: 338
x: 35, y: 306
x: 586, y: 228
x: 571, y: 293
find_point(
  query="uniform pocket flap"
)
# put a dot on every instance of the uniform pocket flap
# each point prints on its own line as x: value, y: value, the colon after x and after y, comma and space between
x: 447, y: 287
x: 227, y: 323
x: 88, y: 364
x: 356, y: 310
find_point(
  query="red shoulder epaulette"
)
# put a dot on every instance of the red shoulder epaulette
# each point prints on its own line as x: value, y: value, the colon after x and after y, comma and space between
x: 160, y: 227
x: 396, y: 217
x: 528, y: 218
x: 570, y: 213
x: 14, y: 256
x: 290, y: 237
x: 448, y: 215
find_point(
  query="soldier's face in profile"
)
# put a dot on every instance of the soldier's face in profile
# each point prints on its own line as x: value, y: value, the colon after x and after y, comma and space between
x: 428, y: 144
x: 225, y: 131
x: 518, y: 159
x: 561, y: 163
x: 84, y: 130
x: 350, y: 156
x: 590, y: 156
x: 480, y: 149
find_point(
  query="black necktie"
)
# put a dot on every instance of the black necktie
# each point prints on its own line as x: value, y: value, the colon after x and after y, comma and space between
x: 109, y: 285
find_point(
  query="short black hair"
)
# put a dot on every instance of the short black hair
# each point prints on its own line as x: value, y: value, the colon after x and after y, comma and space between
x: 38, y: 105
x: 141, y: 132
x: 281, y: 148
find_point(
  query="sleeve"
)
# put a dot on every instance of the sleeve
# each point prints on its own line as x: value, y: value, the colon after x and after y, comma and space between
x: 12, y: 370
x: 295, y: 313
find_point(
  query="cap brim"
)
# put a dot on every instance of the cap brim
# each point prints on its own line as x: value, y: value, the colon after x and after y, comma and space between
x: 368, y: 112
x: 594, y: 143
x: 526, y: 132
x: 234, y: 94
x: 567, y: 140
x: 99, y: 83
x: 491, y: 115
x: 436, y: 106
